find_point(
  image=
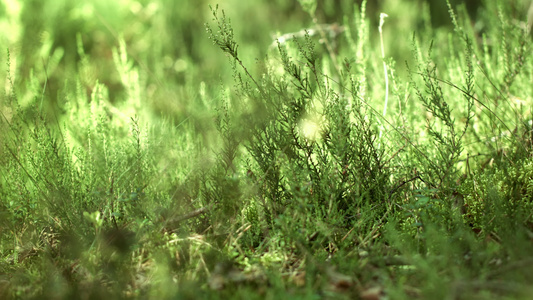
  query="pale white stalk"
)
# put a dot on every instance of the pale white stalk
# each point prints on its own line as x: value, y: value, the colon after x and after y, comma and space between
x: 382, y: 17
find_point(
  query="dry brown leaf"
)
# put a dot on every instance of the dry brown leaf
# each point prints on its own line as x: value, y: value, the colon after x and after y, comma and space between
x: 373, y: 293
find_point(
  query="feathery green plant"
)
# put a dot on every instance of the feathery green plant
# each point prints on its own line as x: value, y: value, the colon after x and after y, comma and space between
x: 125, y: 172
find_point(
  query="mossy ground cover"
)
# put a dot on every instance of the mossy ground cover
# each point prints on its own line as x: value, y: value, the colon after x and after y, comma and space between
x: 266, y: 149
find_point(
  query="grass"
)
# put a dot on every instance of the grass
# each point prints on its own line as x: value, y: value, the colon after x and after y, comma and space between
x: 161, y: 150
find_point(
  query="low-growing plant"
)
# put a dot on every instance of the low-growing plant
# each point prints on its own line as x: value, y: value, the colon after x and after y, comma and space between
x: 327, y: 170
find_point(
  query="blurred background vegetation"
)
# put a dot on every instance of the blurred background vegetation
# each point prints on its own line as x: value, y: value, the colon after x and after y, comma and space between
x: 168, y: 43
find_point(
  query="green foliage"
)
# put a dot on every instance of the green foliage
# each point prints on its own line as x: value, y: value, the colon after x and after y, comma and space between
x: 135, y: 164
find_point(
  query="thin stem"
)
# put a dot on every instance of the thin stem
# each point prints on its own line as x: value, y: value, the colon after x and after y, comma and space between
x: 382, y: 17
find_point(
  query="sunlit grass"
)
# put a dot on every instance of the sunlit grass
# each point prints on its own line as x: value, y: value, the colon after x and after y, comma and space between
x: 137, y: 160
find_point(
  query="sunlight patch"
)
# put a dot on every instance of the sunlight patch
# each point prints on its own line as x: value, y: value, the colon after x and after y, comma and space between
x: 310, y: 128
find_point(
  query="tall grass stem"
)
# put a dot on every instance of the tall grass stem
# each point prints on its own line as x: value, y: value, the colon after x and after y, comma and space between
x: 382, y: 17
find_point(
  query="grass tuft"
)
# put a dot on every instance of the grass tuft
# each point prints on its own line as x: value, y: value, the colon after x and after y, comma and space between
x: 341, y: 159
